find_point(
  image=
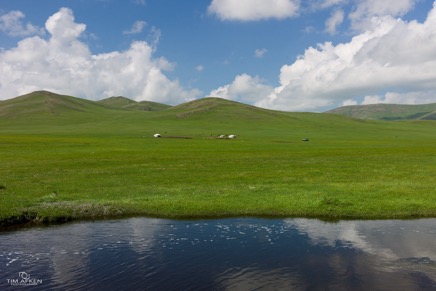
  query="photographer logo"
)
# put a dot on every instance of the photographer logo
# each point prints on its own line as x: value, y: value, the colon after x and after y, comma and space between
x: 24, y: 280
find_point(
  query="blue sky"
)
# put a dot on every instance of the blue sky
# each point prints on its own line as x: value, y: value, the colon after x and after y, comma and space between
x: 290, y: 55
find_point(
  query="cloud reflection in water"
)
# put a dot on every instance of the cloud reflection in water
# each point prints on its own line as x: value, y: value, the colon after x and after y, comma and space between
x: 227, y: 254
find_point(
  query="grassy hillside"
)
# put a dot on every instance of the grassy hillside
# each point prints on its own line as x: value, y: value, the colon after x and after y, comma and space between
x: 218, y: 108
x: 63, y: 158
x: 126, y: 103
x: 44, y: 103
x: 388, y: 111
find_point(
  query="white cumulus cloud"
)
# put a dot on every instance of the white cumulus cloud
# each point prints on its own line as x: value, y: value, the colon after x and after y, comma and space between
x: 11, y: 24
x: 64, y: 64
x: 367, y: 9
x: 244, y: 88
x: 394, y: 61
x: 251, y: 10
x: 62, y: 27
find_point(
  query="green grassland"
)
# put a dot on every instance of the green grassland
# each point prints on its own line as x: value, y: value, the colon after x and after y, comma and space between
x: 64, y: 158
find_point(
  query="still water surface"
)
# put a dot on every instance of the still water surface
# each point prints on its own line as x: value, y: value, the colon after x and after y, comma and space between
x: 225, y: 254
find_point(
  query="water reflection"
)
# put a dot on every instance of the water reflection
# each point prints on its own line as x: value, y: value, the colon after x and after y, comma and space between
x: 229, y: 254
x: 392, y: 239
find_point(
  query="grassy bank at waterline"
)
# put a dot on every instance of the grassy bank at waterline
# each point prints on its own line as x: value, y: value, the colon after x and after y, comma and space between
x: 107, y: 164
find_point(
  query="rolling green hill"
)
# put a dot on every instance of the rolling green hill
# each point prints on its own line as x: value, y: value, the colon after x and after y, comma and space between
x: 222, y: 111
x: 46, y: 103
x: 220, y: 108
x: 126, y: 103
x: 389, y: 111
x: 45, y: 111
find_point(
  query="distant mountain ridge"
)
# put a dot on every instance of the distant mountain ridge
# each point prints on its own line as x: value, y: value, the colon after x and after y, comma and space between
x: 388, y: 111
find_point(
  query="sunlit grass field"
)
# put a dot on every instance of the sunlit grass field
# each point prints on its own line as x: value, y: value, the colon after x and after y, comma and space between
x: 80, y: 165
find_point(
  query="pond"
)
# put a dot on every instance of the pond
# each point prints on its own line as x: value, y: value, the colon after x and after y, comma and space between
x: 224, y: 254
